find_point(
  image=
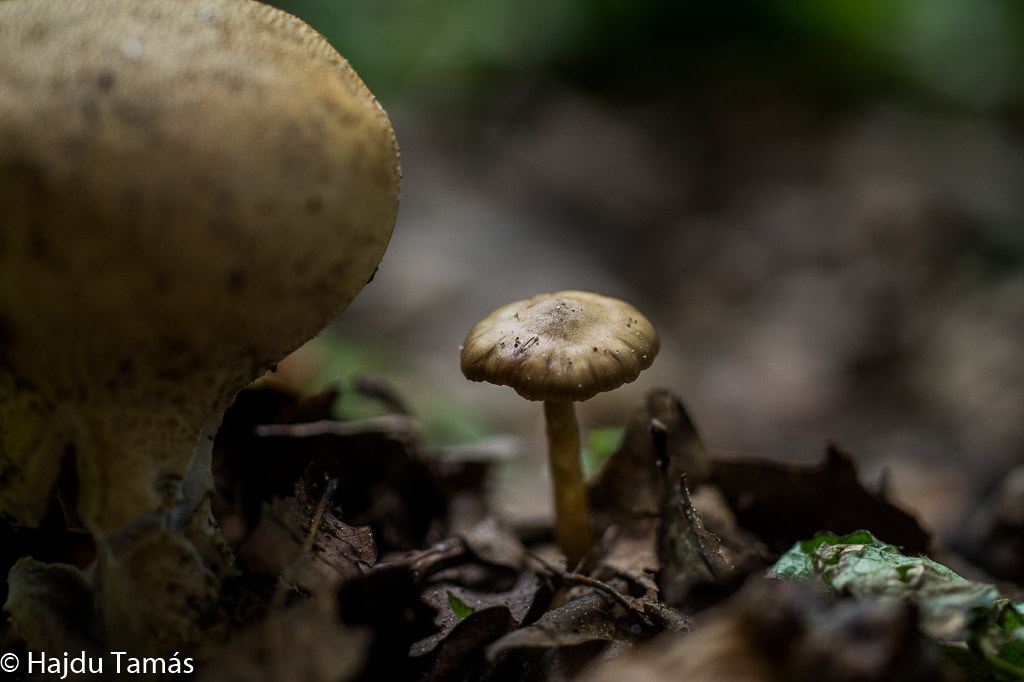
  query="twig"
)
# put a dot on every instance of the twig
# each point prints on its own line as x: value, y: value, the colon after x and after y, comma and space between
x: 388, y: 424
x: 628, y: 603
x: 288, y: 572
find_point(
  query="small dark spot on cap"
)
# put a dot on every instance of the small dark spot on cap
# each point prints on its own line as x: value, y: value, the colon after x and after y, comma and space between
x: 314, y: 205
x: 161, y: 283
x: 595, y: 349
x: 105, y: 81
x: 268, y: 207
x: 125, y: 367
x: 38, y: 31
x: 236, y: 281
x: 40, y: 248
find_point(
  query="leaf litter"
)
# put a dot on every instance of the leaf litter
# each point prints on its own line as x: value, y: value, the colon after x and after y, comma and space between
x: 364, y: 552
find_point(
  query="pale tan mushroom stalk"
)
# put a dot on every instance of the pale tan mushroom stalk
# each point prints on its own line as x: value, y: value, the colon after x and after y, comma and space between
x: 560, y: 348
x: 572, y: 508
x: 189, y: 191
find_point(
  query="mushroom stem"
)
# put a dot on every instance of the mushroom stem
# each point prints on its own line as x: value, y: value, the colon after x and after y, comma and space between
x: 124, y: 471
x: 572, y: 512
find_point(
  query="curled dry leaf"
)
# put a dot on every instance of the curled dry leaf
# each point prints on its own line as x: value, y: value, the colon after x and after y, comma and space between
x: 301, y: 538
x: 783, y: 503
x: 583, y: 621
x: 492, y: 542
x: 462, y: 653
x: 631, y: 484
x: 631, y: 554
x: 784, y: 632
x: 518, y: 601
x: 688, y: 553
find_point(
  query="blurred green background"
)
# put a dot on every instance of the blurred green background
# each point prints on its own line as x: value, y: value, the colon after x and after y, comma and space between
x: 958, y: 53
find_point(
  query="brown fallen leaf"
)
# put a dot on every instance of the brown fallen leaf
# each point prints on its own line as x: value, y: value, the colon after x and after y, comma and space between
x: 586, y: 620
x: 517, y: 600
x: 304, y: 642
x: 386, y: 603
x: 629, y: 552
x: 783, y: 503
x: 492, y: 542
x: 688, y: 553
x: 270, y: 436
x: 785, y: 632
x: 300, y: 539
x: 462, y: 653
x: 631, y: 483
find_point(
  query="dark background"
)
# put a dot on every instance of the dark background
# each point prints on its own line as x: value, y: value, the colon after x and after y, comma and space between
x: 819, y: 205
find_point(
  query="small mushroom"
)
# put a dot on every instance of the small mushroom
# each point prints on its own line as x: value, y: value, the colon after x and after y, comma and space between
x: 561, y: 348
x: 189, y: 191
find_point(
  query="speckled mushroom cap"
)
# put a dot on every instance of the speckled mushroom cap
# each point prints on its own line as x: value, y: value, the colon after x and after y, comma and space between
x: 189, y: 190
x: 569, y: 345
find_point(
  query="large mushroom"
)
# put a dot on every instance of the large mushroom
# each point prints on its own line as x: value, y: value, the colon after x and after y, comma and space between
x: 189, y: 190
x: 561, y: 348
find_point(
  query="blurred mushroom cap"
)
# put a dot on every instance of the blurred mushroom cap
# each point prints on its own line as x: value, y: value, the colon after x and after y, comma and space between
x: 569, y: 345
x: 189, y: 191
x: 179, y: 180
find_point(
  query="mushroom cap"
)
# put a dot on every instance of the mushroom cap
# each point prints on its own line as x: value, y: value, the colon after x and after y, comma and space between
x: 569, y: 345
x: 189, y: 191
x: 180, y: 180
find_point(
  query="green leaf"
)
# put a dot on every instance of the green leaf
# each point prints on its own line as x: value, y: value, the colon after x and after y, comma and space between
x: 599, y: 445
x: 461, y: 609
x: 952, y: 608
x: 798, y: 562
